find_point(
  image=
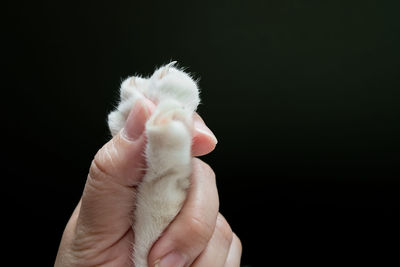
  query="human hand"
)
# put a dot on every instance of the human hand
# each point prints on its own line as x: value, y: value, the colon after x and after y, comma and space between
x: 99, y: 231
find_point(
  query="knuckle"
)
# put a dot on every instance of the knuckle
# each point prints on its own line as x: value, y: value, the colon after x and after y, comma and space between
x: 99, y: 176
x: 237, y: 242
x: 97, y: 170
x: 206, y: 170
x: 224, y: 230
x: 199, y: 229
x: 103, y: 164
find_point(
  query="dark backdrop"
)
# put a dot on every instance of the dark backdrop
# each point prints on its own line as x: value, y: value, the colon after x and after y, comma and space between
x: 303, y: 97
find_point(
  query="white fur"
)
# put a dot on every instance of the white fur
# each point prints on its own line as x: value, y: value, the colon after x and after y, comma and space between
x: 168, y: 150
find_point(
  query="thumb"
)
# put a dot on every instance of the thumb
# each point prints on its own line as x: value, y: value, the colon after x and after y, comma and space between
x: 109, y: 195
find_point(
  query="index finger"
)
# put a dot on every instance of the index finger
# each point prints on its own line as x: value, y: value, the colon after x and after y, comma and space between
x: 204, y: 141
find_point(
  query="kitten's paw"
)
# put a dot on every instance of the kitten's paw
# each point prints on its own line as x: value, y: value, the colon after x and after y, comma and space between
x: 169, y: 135
x: 132, y: 86
x: 131, y: 90
x: 166, y: 84
x: 170, y: 120
x: 170, y: 82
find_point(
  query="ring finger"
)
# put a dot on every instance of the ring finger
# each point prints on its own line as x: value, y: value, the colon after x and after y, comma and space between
x: 217, y: 250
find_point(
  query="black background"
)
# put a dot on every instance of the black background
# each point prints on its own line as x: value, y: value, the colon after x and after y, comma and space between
x: 303, y: 97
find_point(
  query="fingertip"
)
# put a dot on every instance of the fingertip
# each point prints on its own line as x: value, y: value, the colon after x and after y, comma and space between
x: 202, y: 128
x: 135, y: 123
x: 235, y: 252
x: 204, y: 140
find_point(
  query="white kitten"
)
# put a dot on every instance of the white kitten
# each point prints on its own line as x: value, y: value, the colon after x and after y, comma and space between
x: 168, y: 150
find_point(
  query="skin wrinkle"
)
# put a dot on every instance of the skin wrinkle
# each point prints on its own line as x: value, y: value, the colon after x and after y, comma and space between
x: 97, y: 164
x: 110, y: 158
x: 235, y: 249
x: 85, y: 244
x: 115, y: 153
x: 200, y: 228
x: 91, y: 255
x: 104, y: 186
x: 100, y: 172
x: 99, y: 258
x: 224, y: 229
x: 110, y: 155
x: 97, y: 186
x: 98, y: 168
x: 221, y: 238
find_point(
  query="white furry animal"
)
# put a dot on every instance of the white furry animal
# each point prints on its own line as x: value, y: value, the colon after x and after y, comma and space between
x: 168, y: 150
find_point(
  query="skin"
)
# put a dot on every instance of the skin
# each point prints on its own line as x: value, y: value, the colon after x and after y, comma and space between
x: 99, y: 231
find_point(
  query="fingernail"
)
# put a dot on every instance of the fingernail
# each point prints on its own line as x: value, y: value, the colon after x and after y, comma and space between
x: 173, y: 259
x: 200, y: 126
x: 135, y: 123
